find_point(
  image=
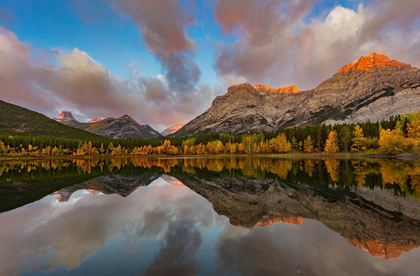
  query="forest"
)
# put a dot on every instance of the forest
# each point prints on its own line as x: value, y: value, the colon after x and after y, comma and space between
x: 396, y: 135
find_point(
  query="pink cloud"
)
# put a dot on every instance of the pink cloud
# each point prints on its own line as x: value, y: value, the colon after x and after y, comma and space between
x: 278, y: 45
x: 48, y: 81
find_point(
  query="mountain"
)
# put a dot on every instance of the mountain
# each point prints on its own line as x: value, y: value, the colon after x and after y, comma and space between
x: 18, y: 120
x: 371, y: 88
x: 122, y: 127
x: 65, y: 116
x: 170, y: 130
x: 94, y: 120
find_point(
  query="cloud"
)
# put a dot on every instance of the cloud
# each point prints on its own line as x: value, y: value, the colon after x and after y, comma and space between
x: 163, y: 26
x: 50, y: 81
x: 280, y: 43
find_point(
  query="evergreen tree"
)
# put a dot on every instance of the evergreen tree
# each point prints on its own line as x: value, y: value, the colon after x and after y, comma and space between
x: 345, y: 137
x: 295, y: 144
x: 102, y: 149
x: 110, y: 148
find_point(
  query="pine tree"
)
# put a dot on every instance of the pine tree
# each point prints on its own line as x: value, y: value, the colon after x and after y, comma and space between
x: 295, y: 144
x: 102, y: 149
x: 110, y: 148
x: 345, y: 137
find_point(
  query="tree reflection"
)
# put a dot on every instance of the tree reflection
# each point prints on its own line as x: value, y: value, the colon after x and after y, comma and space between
x: 402, y: 176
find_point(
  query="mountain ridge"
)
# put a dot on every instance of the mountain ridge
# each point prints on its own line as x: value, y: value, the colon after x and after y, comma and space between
x: 380, y: 85
x: 121, y: 127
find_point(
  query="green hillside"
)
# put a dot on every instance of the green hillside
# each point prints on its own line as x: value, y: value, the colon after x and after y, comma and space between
x: 16, y: 120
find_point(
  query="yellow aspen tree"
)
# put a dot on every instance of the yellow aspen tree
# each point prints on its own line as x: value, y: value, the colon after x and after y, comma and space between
x: 331, y: 145
x: 358, y: 138
x: 308, y: 145
x: 391, y: 141
x: 413, y: 128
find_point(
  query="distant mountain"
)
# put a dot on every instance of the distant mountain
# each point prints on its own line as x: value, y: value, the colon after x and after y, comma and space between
x: 65, y: 116
x: 94, y: 120
x: 373, y: 88
x: 172, y: 129
x: 16, y: 120
x: 122, y: 127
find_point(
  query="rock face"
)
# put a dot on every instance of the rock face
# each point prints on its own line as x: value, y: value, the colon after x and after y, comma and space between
x: 122, y: 127
x: 172, y: 129
x: 372, y: 88
x: 65, y: 116
x: 289, y: 89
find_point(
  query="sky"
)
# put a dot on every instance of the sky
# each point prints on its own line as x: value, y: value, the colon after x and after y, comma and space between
x: 164, y: 61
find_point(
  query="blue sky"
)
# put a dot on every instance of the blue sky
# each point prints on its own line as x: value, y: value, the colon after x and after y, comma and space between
x: 51, y: 24
x: 163, y: 63
x: 113, y: 40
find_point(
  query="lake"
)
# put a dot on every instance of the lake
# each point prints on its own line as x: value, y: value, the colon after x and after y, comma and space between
x: 209, y: 216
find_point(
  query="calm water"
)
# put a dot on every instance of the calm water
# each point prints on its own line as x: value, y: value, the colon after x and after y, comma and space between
x: 234, y: 216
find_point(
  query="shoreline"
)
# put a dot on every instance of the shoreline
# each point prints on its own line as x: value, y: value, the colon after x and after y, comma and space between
x: 403, y: 156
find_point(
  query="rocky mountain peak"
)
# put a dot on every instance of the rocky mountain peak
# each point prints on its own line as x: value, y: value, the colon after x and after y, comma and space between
x: 128, y: 118
x: 236, y: 87
x: 369, y: 62
x: 94, y: 120
x: 65, y: 116
x: 289, y: 89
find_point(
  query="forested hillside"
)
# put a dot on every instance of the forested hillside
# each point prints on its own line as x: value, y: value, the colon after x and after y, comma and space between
x: 16, y: 120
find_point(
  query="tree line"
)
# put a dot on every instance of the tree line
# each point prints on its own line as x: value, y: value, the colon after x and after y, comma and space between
x: 396, y: 135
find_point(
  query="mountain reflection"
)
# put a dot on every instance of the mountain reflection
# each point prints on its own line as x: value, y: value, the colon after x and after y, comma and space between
x: 264, y: 214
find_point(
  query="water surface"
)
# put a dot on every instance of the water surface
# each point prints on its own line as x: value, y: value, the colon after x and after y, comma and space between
x: 209, y: 216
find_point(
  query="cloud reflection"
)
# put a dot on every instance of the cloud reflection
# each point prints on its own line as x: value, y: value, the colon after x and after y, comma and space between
x: 72, y: 232
x: 48, y: 235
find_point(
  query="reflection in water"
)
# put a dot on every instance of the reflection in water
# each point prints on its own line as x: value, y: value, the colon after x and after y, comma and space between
x: 243, y: 216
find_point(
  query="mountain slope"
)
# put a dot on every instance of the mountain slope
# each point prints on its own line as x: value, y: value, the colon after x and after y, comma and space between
x: 371, y: 88
x: 18, y: 120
